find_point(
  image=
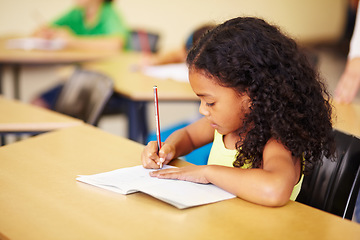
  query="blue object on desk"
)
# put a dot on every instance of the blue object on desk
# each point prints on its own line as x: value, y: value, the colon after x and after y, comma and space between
x: 198, y: 157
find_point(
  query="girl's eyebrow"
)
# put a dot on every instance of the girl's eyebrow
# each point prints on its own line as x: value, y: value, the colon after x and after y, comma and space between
x: 203, y: 95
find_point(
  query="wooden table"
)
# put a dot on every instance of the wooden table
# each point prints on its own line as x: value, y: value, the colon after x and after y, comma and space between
x: 137, y: 89
x: 347, y: 118
x: 15, y: 58
x: 18, y: 117
x: 130, y: 82
x: 40, y: 199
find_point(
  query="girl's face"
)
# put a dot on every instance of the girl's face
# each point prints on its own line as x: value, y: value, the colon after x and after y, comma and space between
x: 224, y: 107
x: 85, y: 3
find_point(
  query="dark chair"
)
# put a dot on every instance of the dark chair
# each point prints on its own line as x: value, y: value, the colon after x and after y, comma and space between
x: 85, y: 95
x: 139, y: 41
x: 143, y: 41
x: 333, y: 186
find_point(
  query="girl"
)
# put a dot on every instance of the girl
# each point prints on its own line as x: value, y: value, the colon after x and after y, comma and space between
x: 90, y: 24
x: 264, y: 108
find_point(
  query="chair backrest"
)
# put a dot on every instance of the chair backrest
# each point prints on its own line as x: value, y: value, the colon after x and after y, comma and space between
x: 141, y: 41
x: 333, y: 186
x: 84, y: 95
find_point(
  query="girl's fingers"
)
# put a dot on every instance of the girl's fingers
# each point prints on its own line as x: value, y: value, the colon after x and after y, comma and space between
x: 149, y: 156
x: 171, y: 173
x: 166, y: 154
x: 152, y: 158
x: 190, y: 173
x: 151, y: 161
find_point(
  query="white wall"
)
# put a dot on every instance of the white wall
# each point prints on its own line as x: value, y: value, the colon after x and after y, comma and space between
x: 306, y: 20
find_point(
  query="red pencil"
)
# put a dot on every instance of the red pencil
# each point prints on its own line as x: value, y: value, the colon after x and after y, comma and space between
x: 157, y: 119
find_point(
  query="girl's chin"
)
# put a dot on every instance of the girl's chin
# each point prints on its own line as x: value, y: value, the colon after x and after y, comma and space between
x: 219, y: 130
x: 222, y: 131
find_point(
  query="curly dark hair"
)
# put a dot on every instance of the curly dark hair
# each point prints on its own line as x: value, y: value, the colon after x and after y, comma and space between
x: 289, y: 102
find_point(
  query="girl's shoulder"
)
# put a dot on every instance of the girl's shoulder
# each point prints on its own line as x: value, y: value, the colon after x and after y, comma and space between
x: 274, y: 146
x: 108, y: 8
x: 70, y: 16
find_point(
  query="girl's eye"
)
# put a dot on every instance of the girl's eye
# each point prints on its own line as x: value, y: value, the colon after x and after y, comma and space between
x: 210, y: 104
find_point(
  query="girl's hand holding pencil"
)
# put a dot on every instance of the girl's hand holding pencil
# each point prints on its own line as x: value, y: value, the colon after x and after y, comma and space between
x: 154, y: 154
x: 151, y: 157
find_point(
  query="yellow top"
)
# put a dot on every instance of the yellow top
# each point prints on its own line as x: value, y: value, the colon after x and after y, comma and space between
x: 220, y: 155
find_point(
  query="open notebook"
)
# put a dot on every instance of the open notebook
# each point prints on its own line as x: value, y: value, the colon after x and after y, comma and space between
x: 180, y: 194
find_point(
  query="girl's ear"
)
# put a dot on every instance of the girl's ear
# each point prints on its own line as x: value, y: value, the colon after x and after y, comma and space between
x: 248, y: 98
x: 249, y: 103
x: 246, y: 101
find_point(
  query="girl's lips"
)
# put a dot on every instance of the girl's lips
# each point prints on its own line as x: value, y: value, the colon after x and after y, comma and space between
x: 212, y: 124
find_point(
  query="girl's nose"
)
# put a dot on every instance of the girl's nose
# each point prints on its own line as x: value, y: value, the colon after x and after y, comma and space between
x: 203, y: 110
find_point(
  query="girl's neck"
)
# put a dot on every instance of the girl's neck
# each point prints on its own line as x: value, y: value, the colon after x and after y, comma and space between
x: 91, y: 11
x: 230, y: 140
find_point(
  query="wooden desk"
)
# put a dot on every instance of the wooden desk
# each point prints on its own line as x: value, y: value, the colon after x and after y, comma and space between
x: 135, y: 85
x: 17, y: 58
x: 347, y: 118
x: 40, y: 199
x: 18, y: 117
x: 137, y: 89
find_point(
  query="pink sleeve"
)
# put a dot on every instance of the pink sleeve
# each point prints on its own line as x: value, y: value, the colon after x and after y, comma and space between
x: 355, y: 40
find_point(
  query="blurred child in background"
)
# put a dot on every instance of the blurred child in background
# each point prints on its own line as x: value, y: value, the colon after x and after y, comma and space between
x: 90, y: 24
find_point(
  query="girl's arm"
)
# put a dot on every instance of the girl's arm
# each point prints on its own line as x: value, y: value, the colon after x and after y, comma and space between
x: 179, y: 143
x: 106, y: 43
x: 271, y: 185
x: 175, y: 56
x: 349, y: 83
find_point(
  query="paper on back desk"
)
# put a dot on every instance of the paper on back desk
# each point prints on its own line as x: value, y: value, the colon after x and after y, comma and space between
x: 35, y: 44
x: 177, y: 71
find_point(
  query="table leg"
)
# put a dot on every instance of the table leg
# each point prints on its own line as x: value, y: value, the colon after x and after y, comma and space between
x: 2, y: 140
x: 1, y: 78
x: 16, y: 75
x: 138, y: 129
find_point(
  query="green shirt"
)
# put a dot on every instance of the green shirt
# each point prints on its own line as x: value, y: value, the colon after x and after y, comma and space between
x: 109, y: 23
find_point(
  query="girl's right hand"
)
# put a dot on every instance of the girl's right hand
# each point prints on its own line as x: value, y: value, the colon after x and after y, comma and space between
x: 44, y: 32
x: 150, y: 158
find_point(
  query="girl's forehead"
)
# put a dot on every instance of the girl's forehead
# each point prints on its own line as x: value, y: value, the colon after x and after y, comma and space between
x: 203, y: 84
x: 201, y: 79
x: 203, y: 74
